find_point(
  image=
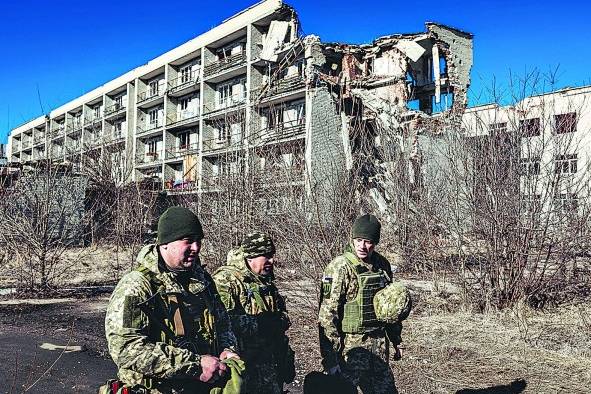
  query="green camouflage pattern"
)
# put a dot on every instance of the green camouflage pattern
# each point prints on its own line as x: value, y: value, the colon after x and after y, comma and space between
x: 393, y: 303
x: 257, y: 244
x: 363, y: 358
x: 260, y: 349
x: 130, y: 334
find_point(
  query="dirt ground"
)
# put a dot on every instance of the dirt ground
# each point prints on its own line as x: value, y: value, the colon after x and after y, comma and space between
x: 58, y: 345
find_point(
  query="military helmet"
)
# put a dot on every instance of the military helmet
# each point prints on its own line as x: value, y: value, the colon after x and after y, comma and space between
x: 392, y: 304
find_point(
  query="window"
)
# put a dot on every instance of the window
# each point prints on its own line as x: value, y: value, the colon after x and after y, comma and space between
x: 566, y: 202
x: 529, y: 127
x: 295, y: 114
x: 530, y: 166
x: 96, y: 111
x: 498, y: 127
x: 117, y: 129
x: 183, y: 140
x: 152, y: 149
x: 565, y: 123
x: 77, y: 119
x: 224, y: 93
x: 185, y: 74
x: 273, y: 118
x: 223, y: 132
x: 153, y: 88
x: 184, y: 103
x: 117, y: 102
x: 531, y: 202
x: 565, y: 164
x: 153, y: 114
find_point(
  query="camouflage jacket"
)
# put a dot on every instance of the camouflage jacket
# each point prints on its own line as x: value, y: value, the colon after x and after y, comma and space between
x: 235, y: 283
x: 133, y: 346
x: 339, y: 286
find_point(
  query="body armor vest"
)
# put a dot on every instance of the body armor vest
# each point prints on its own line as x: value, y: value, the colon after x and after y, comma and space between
x: 358, y: 314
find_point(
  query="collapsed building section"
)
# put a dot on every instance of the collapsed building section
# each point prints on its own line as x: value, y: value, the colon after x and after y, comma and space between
x: 369, y: 104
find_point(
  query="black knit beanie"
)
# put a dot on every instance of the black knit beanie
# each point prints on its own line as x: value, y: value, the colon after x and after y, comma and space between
x: 177, y: 223
x: 367, y: 227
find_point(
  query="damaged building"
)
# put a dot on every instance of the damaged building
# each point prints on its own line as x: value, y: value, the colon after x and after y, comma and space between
x: 255, y: 94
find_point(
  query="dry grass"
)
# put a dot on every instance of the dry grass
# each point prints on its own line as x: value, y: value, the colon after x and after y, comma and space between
x: 449, y: 351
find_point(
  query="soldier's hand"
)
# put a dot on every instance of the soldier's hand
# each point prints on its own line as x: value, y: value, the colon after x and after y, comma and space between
x: 211, y: 368
x: 228, y: 354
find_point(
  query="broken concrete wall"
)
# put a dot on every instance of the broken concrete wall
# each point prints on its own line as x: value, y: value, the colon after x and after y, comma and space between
x: 368, y: 104
x: 373, y: 85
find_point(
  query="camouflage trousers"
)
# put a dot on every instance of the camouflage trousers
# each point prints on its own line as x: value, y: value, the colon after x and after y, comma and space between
x: 262, y: 378
x: 366, y: 366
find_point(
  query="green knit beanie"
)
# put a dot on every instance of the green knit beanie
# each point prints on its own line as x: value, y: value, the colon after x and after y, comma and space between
x: 367, y: 227
x: 177, y: 223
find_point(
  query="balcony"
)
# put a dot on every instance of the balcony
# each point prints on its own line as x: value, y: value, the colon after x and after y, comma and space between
x: 114, y: 110
x: 149, y: 127
x: 16, y: 145
x: 215, y: 144
x: 74, y: 127
x: 279, y: 87
x: 283, y: 131
x: 27, y: 140
x: 224, y: 64
x: 227, y: 104
x: 74, y: 147
x: 180, y: 186
x: 92, y: 121
x: 38, y: 139
x: 182, y: 150
x: 149, y: 159
x: 56, y: 132
x: 149, y: 96
x: 183, y: 84
x: 183, y: 118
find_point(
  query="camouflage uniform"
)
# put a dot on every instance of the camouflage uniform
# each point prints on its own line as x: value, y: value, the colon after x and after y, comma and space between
x: 144, y: 354
x: 362, y: 357
x: 259, y: 319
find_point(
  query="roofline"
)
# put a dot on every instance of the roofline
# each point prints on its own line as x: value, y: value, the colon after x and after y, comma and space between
x: 239, y: 21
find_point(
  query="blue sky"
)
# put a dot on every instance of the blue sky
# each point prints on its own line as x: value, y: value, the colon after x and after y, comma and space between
x: 54, y: 51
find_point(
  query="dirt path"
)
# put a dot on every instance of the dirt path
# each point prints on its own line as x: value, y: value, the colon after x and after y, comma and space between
x: 53, y: 346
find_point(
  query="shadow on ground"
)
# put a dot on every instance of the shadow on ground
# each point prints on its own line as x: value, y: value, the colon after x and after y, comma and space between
x: 515, y: 387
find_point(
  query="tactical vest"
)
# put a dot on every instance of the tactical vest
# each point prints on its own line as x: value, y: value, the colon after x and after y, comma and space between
x: 181, y: 319
x: 358, y: 314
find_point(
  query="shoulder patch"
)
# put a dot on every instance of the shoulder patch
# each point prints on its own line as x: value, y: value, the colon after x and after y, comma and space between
x: 326, y: 286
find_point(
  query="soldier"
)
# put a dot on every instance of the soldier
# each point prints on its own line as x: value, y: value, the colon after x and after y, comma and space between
x: 353, y: 342
x: 258, y: 314
x: 166, y: 328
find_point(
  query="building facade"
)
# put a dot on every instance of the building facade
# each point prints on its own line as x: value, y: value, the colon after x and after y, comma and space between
x: 252, y: 93
x: 543, y: 144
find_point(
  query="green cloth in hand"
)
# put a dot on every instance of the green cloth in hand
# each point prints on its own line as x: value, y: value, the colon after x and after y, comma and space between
x: 234, y: 383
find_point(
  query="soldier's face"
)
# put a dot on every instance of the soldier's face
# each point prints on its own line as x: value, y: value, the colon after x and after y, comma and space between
x: 181, y: 255
x: 363, y: 248
x: 261, y: 265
